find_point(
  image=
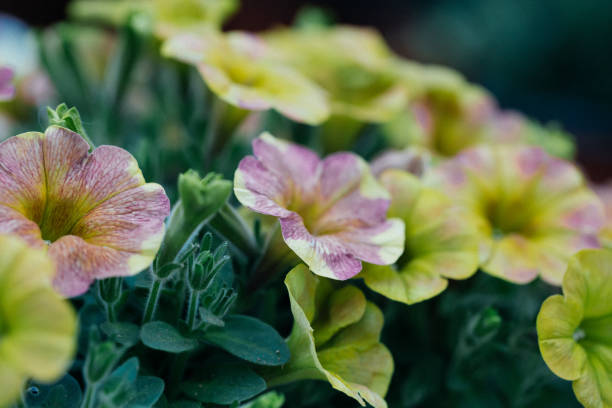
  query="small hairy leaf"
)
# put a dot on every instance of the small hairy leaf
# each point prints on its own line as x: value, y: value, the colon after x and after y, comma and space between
x: 164, y: 337
x: 250, y: 339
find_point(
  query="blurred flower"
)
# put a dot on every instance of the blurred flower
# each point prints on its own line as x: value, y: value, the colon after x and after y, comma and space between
x: 19, y: 52
x: 7, y: 89
x: 414, y: 160
x: 335, y: 338
x: 533, y: 211
x: 440, y: 243
x: 447, y: 115
x: 168, y: 17
x: 236, y: 68
x: 332, y: 212
x: 605, y: 194
x: 38, y: 327
x: 574, y: 330
x: 94, y: 212
x: 352, y: 64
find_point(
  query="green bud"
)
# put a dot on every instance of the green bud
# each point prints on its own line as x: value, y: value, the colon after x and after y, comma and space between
x: 488, y: 323
x: 69, y: 119
x: 101, y: 358
x: 199, y: 200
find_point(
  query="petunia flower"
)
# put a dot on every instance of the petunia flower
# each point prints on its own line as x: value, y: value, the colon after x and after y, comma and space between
x: 440, y: 243
x: 38, y: 327
x: 353, y: 65
x: 332, y: 212
x: 533, y: 211
x: 168, y: 17
x: 236, y: 68
x: 414, y: 160
x: 335, y: 338
x: 446, y: 115
x: 93, y: 212
x: 575, y: 330
x: 7, y: 89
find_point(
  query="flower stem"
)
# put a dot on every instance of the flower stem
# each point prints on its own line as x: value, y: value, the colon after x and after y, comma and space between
x: 152, y: 299
x: 88, y: 399
x: 111, y: 313
x: 192, y: 308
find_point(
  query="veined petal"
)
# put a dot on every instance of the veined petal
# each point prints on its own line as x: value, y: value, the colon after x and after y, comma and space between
x: 574, y: 330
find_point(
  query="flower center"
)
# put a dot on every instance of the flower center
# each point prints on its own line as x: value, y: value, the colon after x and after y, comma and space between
x: 58, y: 220
x: 579, y: 334
x: 507, y: 218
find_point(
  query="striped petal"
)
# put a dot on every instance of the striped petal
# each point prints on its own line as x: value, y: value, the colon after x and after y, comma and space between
x: 54, y: 191
x: 333, y: 212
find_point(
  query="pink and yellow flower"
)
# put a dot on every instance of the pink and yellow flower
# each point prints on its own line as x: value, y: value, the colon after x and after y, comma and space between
x: 236, y: 67
x: 332, y: 212
x: 93, y: 212
x: 533, y: 211
x: 605, y: 194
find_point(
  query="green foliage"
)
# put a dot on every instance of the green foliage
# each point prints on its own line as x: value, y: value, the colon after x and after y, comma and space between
x: 249, y: 339
x: 164, y: 337
x: 225, y: 385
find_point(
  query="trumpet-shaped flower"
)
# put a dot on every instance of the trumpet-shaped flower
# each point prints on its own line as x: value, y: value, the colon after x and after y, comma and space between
x: 93, y: 212
x: 440, y: 243
x: 533, y: 211
x: 169, y: 17
x: 335, y: 338
x: 332, y: 212
x: 37, y: 327
x: 7, y: 89
x: 575, y: 330
x: 352, y: 64
x: 236, y: 68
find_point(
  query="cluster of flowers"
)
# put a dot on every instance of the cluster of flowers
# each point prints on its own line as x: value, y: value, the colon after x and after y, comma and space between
x: 468, y: 187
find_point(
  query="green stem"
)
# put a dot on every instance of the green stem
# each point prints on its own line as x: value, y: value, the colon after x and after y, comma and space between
x: 111, y: 313
x: 177, y: 370
x: 277, y: 258
x: 152, y: 299
x: 192, y: 308
x: 229, y: 223
x: 88, y: 399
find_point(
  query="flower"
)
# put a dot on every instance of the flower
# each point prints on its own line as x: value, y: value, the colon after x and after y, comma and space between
x: 169, y: 17
x: 447, y: 114
x: 335, y: 338
x: 574, y: 330
x: 38, y: 328
x: 332, y: 212
x: 7, y: 89
x: 235, y: 67
x: 533, y: 211
x: 411, y: 159
x: 353, y: 65
x: 93, y: 212
x: 440, y: 243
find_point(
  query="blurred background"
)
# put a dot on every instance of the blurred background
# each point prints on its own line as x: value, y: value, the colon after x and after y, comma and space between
x: 550, y: 59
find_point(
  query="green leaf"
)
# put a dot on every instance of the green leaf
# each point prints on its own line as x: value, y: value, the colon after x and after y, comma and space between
x: 121, y: 332
x: 225, y: 385
x: 250, y: 339
x: 66, y: 393
x: 164, y: 337
x: 148, y: 391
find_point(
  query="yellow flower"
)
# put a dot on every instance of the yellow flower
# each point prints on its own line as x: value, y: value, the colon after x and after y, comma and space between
x: 236, y: 67
x: 335, y: 338
x: 169, y: 17
x: 37, y: 327
x: 533, y: 211
x: 352, y: 64
x: 575, y: 330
